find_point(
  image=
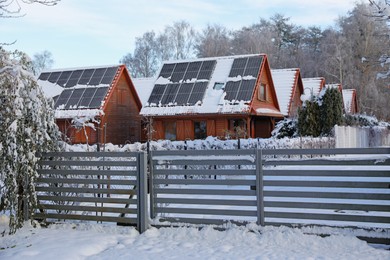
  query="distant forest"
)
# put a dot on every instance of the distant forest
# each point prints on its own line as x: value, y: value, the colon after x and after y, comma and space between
x: 354, y: 52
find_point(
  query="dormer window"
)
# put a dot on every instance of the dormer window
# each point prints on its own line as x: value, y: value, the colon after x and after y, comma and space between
x: 262, y: 92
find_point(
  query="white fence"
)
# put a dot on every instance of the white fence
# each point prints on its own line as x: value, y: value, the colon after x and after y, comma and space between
x: 361, y: 137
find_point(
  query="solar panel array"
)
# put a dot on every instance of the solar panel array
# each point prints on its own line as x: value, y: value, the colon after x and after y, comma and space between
x: 76, y: 98
x: 243, y: 89
x: 188, y: 83
x: 90, y: 77
x: 98, y: 81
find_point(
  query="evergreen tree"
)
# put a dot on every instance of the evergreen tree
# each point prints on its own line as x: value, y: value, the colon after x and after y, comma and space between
x: 27, y: 127
x: 331, y: 110
x: 308, y: 115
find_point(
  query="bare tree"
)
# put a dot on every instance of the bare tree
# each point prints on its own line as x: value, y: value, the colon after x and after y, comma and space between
x: 213, y: 41
x: 41, y: 61
x: 144, y: 61
x: 182, y: 37
x: 13, y: 8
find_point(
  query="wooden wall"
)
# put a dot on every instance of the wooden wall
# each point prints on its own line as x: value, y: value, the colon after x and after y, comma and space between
x: 121, y: 119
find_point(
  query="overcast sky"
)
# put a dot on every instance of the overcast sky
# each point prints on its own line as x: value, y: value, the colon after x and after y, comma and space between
x: 100, y: 32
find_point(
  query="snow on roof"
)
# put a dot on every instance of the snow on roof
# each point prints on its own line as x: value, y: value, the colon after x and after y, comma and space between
x: 50, y: 90
x: 213, y: 100
x: 348, y: 99
x: 284, y: 81
x: 144, y: 87
x: 312, y: 84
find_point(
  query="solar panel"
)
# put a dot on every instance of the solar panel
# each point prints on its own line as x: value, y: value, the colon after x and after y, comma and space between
x: 192, y: 70
x: 63, y: 98
x: 170, y: 94
x: 179, y: 71
x: 238, y: 67
x: 97, y: 76
x: 87, y: 97
x: 253, y: 66
x: 246, y: 90
x: 54, y: 76
x: 86, y: 76
x: 109, y: 75
x: 74, y: 78
x: 231, y: 90
x: 197, y: 92
x: 97, y: 99
x: 206, y: 69
x: 64, y: 78
x: 183, y: 94
x: 74, y: 99
x: 167, y: 70
x: 157, y: 93
x: 44, y: 76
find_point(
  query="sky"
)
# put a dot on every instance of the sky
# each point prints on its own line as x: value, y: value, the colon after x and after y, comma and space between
x: 93, y: 33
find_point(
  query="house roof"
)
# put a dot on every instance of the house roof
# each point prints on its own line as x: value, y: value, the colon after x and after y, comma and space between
x: 79, y: 91
x: 312, y: 86
x: 285, y: 82
x: 144, y: 87
x: 349, y: 97
x: 205, y: 86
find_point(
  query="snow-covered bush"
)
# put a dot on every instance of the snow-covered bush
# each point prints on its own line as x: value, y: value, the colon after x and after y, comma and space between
x: 27, y: 127
x: 287, y: 127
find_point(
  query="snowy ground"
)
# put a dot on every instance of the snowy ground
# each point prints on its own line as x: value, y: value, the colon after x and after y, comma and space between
x: 98, y: 241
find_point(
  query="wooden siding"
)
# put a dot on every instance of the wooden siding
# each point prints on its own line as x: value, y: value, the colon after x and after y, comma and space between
x: 121, y: 119
x: 271, y: 99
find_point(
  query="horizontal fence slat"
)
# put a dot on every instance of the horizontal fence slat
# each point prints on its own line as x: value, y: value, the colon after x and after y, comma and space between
x: 335, y: 206
x: 111, y: 172
x: 343, y: 172
x: 200, y: 221
x: 202, y: 162
x: 89, y: 154
x: 87, y: 199
x: 207, y: 211
x: 227, y: 202
x: 226, y: 192
x: 105, y: 181
x: 126, y: 220
x: 89, y: 163
x: 206, y: 182
x: 330, y: 184
x: 332, y: 217
x: 324, y: 162
x: 209, y: 172
x: 335, y: 195
x: 326, y: 151
x: 203, y: 152
x: 87, y: 208
x: 86, y: 190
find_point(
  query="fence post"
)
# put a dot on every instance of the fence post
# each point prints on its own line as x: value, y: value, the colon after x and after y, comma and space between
x: 151, y: 186
x: 142, y: 191
x: 259, y: 187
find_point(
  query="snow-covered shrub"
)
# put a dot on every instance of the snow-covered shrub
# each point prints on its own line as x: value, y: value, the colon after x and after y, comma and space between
x: 287, y: 127
x: 27, y: 127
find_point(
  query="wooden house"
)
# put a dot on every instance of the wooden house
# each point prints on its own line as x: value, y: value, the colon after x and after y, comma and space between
x: 227, y: 97
x: 289, y: 88
x: 313, y: 86
x: 350, y: 101
x: 94, y: 104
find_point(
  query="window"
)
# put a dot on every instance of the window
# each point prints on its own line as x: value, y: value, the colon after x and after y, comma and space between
x: 262, y: 92
x: 200, y: 130
x: 170, y: 130
x: 218, y: 86
x: 237, y: 128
